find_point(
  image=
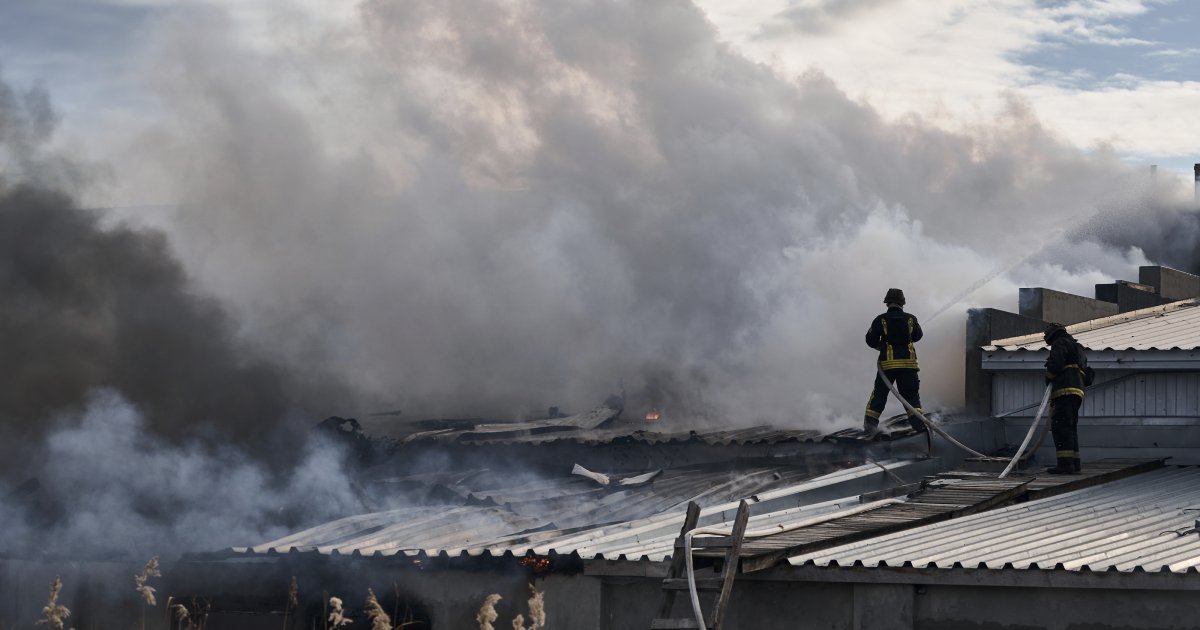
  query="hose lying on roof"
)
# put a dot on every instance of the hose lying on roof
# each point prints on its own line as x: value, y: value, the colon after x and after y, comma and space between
x: 933, y: 427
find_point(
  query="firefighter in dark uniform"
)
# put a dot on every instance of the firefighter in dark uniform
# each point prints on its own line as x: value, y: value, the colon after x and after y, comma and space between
x: 1065, y: 369
x: 893, y: 335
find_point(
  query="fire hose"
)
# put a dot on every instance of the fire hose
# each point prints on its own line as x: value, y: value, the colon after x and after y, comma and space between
x: 758, y: 533
x: 687, y: 537
x: 1029, y: 434
x: 933, y: 427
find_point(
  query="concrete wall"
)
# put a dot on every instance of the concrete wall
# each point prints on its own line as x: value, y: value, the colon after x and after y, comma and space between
x: 985, y: 325
x: 1065, y: 308
x: 1170, y: 283
x: 1129, y: 296
x: 969, y: 608
x: 786, y: 605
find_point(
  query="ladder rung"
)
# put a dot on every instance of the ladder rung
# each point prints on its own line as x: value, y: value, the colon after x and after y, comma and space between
x: 708, y: 542
x: 702, y: 584
x: 676, y: 624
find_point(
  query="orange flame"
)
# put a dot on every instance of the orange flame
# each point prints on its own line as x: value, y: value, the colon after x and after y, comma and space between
x: 652, y: 415
x: 538, y: 564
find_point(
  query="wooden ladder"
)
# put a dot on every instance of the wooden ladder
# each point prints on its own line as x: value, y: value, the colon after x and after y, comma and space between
x: 721, y: 584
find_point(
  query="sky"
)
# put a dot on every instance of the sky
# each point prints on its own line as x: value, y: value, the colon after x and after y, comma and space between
x: 1119, y: 74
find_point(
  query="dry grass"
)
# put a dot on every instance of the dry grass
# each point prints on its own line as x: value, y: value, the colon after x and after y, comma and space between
x: 53, y: 612
x: 140, y: 581
x: 537, y: 612
x: 487, y: 613
x: 336, y: 617
x: 375, y: 613
x: 293, y: 601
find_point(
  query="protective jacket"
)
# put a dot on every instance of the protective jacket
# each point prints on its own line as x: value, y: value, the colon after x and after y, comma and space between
x: 893, y: 334
x: 1065, y: 365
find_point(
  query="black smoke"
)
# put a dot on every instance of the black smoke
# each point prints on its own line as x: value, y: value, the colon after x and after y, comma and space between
x: 134, y: 418
x: 1167, y: 232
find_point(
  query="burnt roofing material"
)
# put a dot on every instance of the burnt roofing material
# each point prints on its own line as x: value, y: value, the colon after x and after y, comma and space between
x: 1145, y: 522
x: 574, y: 514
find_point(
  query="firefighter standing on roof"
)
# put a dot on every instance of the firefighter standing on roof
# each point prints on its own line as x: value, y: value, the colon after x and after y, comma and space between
x: 893, y: 335
x: 1066, y: 370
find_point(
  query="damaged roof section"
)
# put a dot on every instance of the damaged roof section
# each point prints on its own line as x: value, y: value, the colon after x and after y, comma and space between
x: 479, y: 512
x: 1125, y: 515
x: 605, y: 425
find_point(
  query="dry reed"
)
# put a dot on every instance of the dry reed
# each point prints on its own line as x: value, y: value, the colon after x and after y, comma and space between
x: 149, y: 571
x: 293, y: 601
x: 379, y: 619
x: 336, y: 618
x: 53, y: 611
x: 487, y: 613
x: 537, y: 612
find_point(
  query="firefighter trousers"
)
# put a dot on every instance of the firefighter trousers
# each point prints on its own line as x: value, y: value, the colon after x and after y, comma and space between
x: 1064, y: 426
x: 908, y: 383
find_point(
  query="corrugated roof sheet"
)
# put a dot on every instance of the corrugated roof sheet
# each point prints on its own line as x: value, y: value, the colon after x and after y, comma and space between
x: 628, y: 432
x: 640, y: 521
x: 1125, y: 525
x: 1172, y: 326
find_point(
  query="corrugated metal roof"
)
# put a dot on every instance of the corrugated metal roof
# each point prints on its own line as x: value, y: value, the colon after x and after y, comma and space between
x: 1124, y: 525
x: 1172, y: 326
x: 628, y: 432
x: 641, y: 521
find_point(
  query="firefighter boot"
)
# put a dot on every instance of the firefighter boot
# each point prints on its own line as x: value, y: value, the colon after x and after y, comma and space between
x: 1067, y: 464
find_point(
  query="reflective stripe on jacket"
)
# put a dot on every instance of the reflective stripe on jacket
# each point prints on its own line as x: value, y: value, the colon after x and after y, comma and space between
x: 1064, y: 366
x: 893, y: 335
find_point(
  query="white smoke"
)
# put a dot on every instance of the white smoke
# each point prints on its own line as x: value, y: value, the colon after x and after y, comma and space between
x: 109, y: 487
x: 492, y: 207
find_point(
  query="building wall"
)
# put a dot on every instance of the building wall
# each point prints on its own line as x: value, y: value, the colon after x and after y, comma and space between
x: 1065, y: 308
x: 1139, y: 415
x: 965, y: 607
x: 1163, y: 394
x: 1170, y: 283
x: 786, y: 605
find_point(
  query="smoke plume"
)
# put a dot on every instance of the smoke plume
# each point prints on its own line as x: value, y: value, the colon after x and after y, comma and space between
x: 131, y: 408
x: 489, y: 208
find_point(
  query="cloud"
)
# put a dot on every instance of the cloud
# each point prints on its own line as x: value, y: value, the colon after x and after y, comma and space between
x: 954, y: 62
x: 817, y: 16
